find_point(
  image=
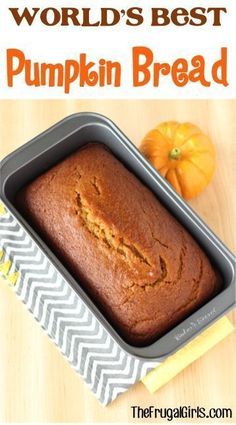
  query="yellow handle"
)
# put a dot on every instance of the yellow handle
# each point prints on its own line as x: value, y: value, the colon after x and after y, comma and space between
x: 187, y: 355
x: 5, y: 263
x: 2, y: 209
x: 5, y: 267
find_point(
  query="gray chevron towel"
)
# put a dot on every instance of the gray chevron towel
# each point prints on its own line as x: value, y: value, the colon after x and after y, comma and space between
x: 106, y: 368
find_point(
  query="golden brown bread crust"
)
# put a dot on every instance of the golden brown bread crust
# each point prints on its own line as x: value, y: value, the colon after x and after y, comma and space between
x: 134, y: 259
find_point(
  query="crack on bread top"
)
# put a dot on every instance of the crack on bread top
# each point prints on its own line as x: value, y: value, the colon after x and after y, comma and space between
x: 154, y: 237
x: 95, y: 185
x: 104, y: 234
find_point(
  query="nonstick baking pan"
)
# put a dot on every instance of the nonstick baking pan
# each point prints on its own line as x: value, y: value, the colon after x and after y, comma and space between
x: 50, y: 147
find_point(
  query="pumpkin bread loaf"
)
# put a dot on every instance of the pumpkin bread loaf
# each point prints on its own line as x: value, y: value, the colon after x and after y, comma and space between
x: 137, y: 263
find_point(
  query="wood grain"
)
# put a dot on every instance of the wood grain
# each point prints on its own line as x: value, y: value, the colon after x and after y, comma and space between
x: 36, y: 383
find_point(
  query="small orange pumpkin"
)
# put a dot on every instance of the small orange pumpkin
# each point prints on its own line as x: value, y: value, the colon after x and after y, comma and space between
x: 183, y: 154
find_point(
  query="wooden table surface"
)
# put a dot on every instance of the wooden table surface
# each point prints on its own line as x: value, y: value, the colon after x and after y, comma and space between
x: 36, y: 383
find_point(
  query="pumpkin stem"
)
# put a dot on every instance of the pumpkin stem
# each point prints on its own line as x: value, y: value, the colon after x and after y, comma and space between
x: 175, y: 153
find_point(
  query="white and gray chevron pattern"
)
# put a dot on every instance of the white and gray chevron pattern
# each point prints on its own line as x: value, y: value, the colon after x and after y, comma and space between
x: 106, y: 368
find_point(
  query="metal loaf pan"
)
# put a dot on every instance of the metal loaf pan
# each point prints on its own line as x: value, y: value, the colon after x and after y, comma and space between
x: 68, y: 135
